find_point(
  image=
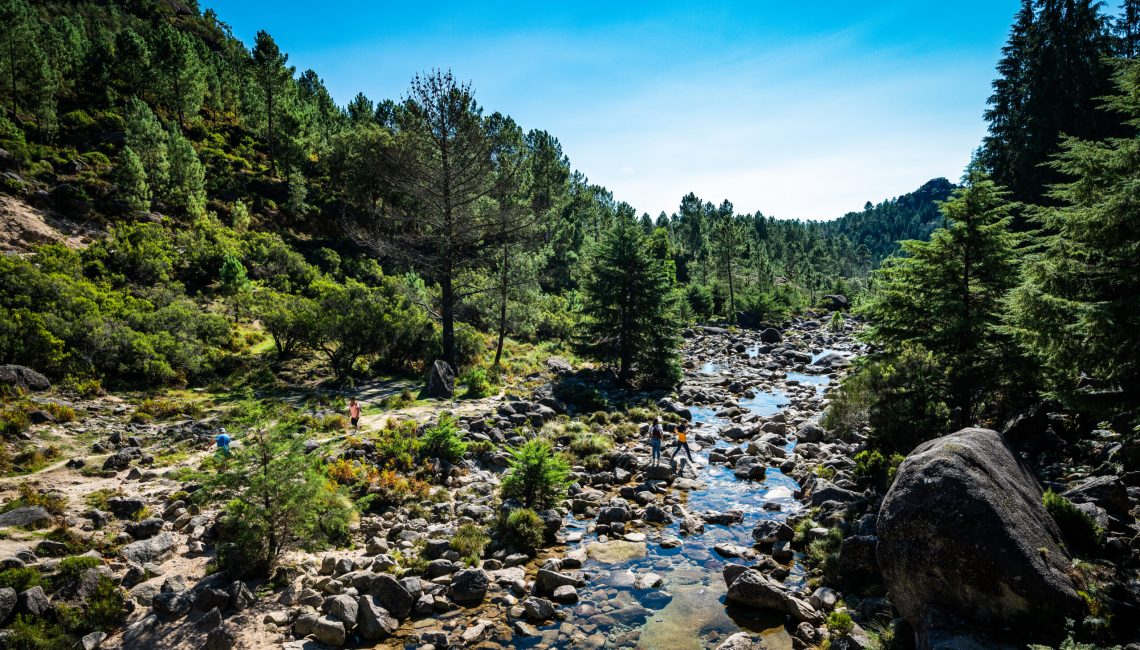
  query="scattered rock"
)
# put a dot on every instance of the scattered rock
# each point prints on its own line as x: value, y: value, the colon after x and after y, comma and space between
x: 441, y: 380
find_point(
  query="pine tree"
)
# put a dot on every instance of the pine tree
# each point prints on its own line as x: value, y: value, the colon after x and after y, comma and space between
x: 728, y: 245
x: 1052, y: 72
x: 132, y: 74
x: 947, y: 294
x: 234, y: 284
x: 187, y: 177
x: 630, y: 317
x: 274, y: 82
x: 1077, y: 309
x: 131, y: 181
x: 147, y: 138
x: 182, y: 76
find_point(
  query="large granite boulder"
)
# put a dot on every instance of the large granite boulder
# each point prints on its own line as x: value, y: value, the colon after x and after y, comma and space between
x: 441, y: 380
x: 22, y: 378
x: 963, y: 537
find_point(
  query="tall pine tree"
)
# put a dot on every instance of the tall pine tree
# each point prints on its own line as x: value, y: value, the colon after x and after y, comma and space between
x: 1077, y: 309
x: 947, y: 295
x: 630, y: 317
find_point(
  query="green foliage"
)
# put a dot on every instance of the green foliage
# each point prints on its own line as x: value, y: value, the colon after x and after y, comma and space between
x: 469, y: 541
x: 946, y: 295
x: 836, y: 323
x: 537, y: 477
x: 20, y: 579
x: 839, y: 623
x: 37, y: 633
x: 105, y: 608
x: 276, y: 499
x: 475, y: 379
x: 1081, y: 533
x: 872, y: 464
x: 630, y: 308
x: 1076, y: 311
x: 442, y: 440
x: 187, y: 177
x: 130, y: 176
x: 823, y: 554
x: 523, y: 529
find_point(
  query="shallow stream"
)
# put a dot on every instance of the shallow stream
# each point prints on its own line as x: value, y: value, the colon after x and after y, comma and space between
x: 687, y: 611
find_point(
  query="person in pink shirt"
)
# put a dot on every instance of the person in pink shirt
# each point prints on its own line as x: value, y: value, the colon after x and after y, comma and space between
x: 354, y: 413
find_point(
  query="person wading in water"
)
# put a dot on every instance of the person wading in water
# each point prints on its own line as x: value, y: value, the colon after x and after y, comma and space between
x: 682, y: 441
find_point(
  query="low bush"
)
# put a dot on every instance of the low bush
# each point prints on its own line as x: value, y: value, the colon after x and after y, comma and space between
x: 477, y: 383
x: 36, y: 633
x: 537, y: 477
x: 872, y: 464
x: 1082, y: 534
x: 839, y: 623
x: 21, y: 578
x: 588, y: 444
x: 105, y: 609
x: 469, y: 541
x: 397, y: 445
x: 161, y: 408
x: 823, y: 554
x: 442, y: 440
x: 523, y: 530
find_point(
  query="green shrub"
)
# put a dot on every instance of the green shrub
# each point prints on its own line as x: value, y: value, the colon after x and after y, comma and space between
x: 626, y: 431
x: 13, y: 421
x: 839, y: 623
x: 588, y: 444
x: 802, y: 528
x: 836, y: 324
x: 873, y: 465
x: 61, y: 412
x: 397, y: 445
x: 37, y: 633
x: 71, y: 570
x: 442, y: 441
x: 476, y: 382
x: 469, y: 541
x: 1081, y: 533
x: 599, y: 418
x: 105, y: 609
x: 523, y: 530
x: 21, y: 578
x: 823, y: 554
x: 538, y: 477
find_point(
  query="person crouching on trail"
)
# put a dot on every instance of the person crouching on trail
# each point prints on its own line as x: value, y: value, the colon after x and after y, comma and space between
x: 222, y: 440
x: 682, y: 441
x: 354, y: 413
x: 656, y: 433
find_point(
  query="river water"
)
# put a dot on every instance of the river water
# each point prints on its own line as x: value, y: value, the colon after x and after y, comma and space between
x: 688, y: 610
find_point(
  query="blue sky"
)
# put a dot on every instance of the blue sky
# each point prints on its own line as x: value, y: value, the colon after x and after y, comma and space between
x: 798, y: 110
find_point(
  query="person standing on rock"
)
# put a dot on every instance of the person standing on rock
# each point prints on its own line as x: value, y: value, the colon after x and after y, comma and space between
x: 354, y: 413
x: 682, y: 441
x: 656, y: 433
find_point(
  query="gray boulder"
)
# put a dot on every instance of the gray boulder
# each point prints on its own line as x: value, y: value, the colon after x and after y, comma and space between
x: 469, y: 587
x: 27, y: 516
x: 34, y: 602
x: 963, y: 534
x: 329, y: 631
x: 343, y: 608
x: 7, y: 603
x: 23, y: 378
x: 155, y: 549
x: 392, y: 596
x: 441, y: 380
x: 771, y: 335
x: 373, y: 622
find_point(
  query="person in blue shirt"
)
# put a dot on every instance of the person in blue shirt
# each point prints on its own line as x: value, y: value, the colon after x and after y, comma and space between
x: 223, y: 441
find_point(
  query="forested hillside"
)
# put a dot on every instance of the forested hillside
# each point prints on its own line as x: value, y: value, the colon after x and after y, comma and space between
x: 233, y: 190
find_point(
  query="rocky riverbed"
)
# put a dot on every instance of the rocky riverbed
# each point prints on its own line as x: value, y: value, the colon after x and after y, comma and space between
x: 710, y: 552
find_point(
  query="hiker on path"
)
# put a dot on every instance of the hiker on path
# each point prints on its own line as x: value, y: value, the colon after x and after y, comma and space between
x: 656, y: 433
x: 222, y: 440
x: 354, y: 413
x: 682, y: 441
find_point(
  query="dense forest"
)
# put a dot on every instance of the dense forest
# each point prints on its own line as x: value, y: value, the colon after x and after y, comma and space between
x: 229, y: 245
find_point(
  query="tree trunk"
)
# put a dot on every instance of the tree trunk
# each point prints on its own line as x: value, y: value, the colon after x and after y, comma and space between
x: 503, y: 278
x: 448, y: 317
